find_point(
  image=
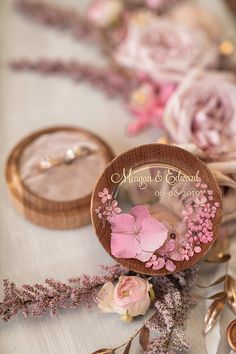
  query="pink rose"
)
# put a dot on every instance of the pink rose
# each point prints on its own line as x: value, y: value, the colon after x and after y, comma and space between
x: 199, y: 16
x: 203, y: 111
x: 163, y: 49
x: 104, y: 13
x: 147, y: 103
x: 129, y: 298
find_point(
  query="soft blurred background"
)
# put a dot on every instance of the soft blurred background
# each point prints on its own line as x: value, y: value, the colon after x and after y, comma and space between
x: 29, y: 253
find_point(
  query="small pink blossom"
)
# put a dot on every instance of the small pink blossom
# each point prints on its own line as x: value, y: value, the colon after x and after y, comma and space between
x: 200, y: 202
x: 104, y: 195
x: 99, y: 212
x: 136, y: 235
x: 112, y: 209
x: 176, y: 241
x: 206, y: 237
x: 158, y: 263
x: 197, y: 249
x: 147, y: 103
x: 170, y: 266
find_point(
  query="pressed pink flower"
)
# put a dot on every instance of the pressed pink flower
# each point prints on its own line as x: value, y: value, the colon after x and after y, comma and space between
x: 197, y: 249
x: 170, y: 265
x: 99, y: 212
x: 206, y: 237
x: 158, y: 263
x: 136, y: 235
x: 176, y: 240
x: 112, y: 209
x: 200, y: 202
x: 104, y: 195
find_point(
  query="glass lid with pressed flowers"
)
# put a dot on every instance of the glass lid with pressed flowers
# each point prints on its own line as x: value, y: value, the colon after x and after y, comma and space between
x: 157, y: 209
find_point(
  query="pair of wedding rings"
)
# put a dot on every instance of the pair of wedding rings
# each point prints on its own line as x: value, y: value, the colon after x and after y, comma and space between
x: 70, y: 155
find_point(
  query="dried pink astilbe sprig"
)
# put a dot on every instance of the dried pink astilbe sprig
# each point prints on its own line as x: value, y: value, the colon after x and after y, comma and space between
x: 173, y: 305
x: 55, y: 16
x: 146, y: 106
x: 106, y: 79
x: 35, y: 300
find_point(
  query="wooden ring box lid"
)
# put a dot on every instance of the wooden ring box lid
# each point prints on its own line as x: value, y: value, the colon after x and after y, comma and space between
x: 151, y: 155
x: 42, y: 211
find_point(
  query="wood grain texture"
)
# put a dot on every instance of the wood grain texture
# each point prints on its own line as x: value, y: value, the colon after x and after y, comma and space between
x: 147, y: 155
x: 45, y: 212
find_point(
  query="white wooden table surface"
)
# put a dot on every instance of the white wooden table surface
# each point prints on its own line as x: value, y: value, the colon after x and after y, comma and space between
x: 29, y: 253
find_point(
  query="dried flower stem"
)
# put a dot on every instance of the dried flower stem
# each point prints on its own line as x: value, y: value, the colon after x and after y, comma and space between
x: 173, y: 303
x: 55, y: 16
x: 220, y: 254
x: 109, y: 80
x: 36, y: 300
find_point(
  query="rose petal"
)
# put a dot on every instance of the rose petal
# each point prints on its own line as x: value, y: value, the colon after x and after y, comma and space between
x: 105, y: 298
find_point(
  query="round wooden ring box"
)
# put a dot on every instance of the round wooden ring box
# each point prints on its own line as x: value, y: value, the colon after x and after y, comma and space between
x: 57, y: 198
x: 156, y: 209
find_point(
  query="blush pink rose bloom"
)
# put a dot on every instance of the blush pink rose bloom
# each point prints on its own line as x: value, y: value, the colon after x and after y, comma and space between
x: 129, y: 298
x: 199, y: 16
x: 203, y: 111
x: 164, y: 49
x: 136, y: 235
x: 104, y: 13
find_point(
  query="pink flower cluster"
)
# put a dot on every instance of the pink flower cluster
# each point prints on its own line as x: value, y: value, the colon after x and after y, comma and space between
x: 147, y: 103
x: 137, y: 235
x: 160, y: 262
x: 184, y: 239
x: 200, y: 223
x: 109, y: 206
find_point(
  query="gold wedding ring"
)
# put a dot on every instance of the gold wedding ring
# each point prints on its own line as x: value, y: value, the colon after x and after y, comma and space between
x: 71, y: 154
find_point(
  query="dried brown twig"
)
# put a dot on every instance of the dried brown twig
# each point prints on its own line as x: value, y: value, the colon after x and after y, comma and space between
x: 220, y: 254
